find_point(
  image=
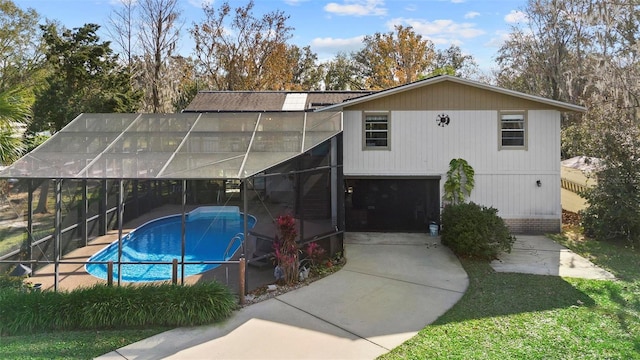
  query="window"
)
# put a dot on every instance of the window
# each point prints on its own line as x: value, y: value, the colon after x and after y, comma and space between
x: 376, y: 131
x: 513, y: 130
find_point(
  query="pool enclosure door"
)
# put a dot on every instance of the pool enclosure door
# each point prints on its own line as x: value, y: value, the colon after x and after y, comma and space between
x: 391, y: 204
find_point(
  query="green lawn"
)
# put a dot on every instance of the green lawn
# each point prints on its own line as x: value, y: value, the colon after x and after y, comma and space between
x: 70, y: 345
x: 519, y: 316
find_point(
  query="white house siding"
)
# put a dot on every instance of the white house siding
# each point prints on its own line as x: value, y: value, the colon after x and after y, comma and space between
x: 505, y: 179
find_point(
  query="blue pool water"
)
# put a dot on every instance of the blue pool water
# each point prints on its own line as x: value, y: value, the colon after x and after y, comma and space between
x: 209, y: 231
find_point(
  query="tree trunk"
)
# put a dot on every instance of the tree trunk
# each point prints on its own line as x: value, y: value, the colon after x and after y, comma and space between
x: 42, y: 200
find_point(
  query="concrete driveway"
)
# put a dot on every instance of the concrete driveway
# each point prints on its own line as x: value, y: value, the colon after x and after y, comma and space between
x: 539, y: 255
x: 392, y: 286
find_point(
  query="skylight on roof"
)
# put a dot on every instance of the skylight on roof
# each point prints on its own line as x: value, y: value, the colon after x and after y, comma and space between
x: 294, y: 102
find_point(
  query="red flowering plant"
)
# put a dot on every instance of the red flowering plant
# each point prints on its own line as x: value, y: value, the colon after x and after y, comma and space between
x: 286, y: 250
x: 315, y: 253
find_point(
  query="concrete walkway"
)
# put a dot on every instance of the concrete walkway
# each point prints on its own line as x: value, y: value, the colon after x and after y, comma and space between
x: 392, y: 286
x: 542, y: 256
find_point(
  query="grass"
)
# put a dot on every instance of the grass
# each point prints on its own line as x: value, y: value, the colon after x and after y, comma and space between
x: 105, y: 307
x: 89, y: 322
x: 506, y: 316
x: 72, y: 344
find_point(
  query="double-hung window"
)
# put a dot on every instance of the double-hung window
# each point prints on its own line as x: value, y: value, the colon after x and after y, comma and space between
x: 376, y: 131
x: 512, y: 130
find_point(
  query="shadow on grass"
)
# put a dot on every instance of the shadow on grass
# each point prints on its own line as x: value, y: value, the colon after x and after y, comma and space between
x: 495, y: 294
x: 620, y: 260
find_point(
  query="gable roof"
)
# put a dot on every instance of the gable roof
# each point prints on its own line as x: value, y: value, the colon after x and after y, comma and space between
x: 559, y: 105
x: 268, y: 101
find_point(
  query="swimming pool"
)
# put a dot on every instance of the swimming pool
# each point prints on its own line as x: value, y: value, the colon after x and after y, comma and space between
x: 209, y: 231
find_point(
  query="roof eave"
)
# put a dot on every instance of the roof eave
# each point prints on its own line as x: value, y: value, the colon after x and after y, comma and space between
x: 558, y: 104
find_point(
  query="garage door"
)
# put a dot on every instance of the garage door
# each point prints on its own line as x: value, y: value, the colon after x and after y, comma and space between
x: 392, y: 204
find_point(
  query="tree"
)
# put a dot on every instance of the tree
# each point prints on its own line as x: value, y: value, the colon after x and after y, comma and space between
x: 341, y: 74
x: 187, y: 86
x: 239, y: 51
x: 122, y: 30
x: 20, y: 55
x: 21, y: 72
x: 579, y: 51
x: 613, y: 213
x: 536, y: 58
x: 159, y: 33
x: 392, y: 59
x: 15, y: 109
x: 84, y: 76
x: 306, y: 74
x: 452, y: 61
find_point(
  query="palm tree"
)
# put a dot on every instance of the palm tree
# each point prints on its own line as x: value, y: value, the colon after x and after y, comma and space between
x: 15, y: 111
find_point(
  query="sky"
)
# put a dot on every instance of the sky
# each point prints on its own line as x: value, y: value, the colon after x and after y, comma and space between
x: 478, y: 27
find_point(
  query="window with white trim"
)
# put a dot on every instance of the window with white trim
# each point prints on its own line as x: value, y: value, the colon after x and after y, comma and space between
x: 376, y: 131
x: 513, y: 130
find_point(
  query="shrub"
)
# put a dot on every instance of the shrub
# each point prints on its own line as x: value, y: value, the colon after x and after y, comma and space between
x: 459, y: 182
x: 613, y: 213
x: 286, y: 250
x: 104, y: 307
x: 475, y: 231
x: 12, y: 282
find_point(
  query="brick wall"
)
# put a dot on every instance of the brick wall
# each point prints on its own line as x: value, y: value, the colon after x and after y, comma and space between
x: 533, y: 226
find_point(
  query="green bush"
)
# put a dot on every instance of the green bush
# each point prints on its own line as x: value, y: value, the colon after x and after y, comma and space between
x: 104, y: 307
x: 12, y: 282
x: 613, y: 213
x: 476, y: 231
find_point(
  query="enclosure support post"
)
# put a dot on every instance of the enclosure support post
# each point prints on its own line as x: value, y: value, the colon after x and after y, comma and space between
x: 334, y: 182
x: 136, y: 198
x: 30, y: 219
x: 300, y: 196
x: 110, y: 273
x: 57, y: 232
x: 174, y: 272
x: 245, y: 231
x: 242, y: 277
x: 84, y: 226
x: 103, y: 208
x: 245, y: 205
x: 120, y: 215
x: 183, y: 231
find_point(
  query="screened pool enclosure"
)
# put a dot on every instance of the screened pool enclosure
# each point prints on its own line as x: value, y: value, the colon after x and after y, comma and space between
x: 104, y: 173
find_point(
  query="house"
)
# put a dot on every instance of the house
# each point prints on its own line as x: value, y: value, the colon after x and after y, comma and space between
x: 336, y: 161
x: 397, y: 144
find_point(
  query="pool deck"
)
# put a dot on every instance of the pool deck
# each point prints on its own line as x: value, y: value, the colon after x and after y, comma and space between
x: 72, y: 276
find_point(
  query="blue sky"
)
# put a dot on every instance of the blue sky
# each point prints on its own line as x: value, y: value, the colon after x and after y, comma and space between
x: 330, y: 26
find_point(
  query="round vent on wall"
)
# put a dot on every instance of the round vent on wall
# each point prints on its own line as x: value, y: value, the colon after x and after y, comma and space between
x: 443, y: 120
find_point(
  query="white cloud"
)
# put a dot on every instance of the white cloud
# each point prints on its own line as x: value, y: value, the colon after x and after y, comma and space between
x: 411, y: 8
x: 294, y: 2
x: 201, y: 3
x: 516, y: 16
x: 439, y: 29
x: 357, y: 8
x: 457, y: 1
x: 328, y: 47
x: 330, y: 43
x: 498, y: 39
x: 471, y: 15
x: 120, y: 2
